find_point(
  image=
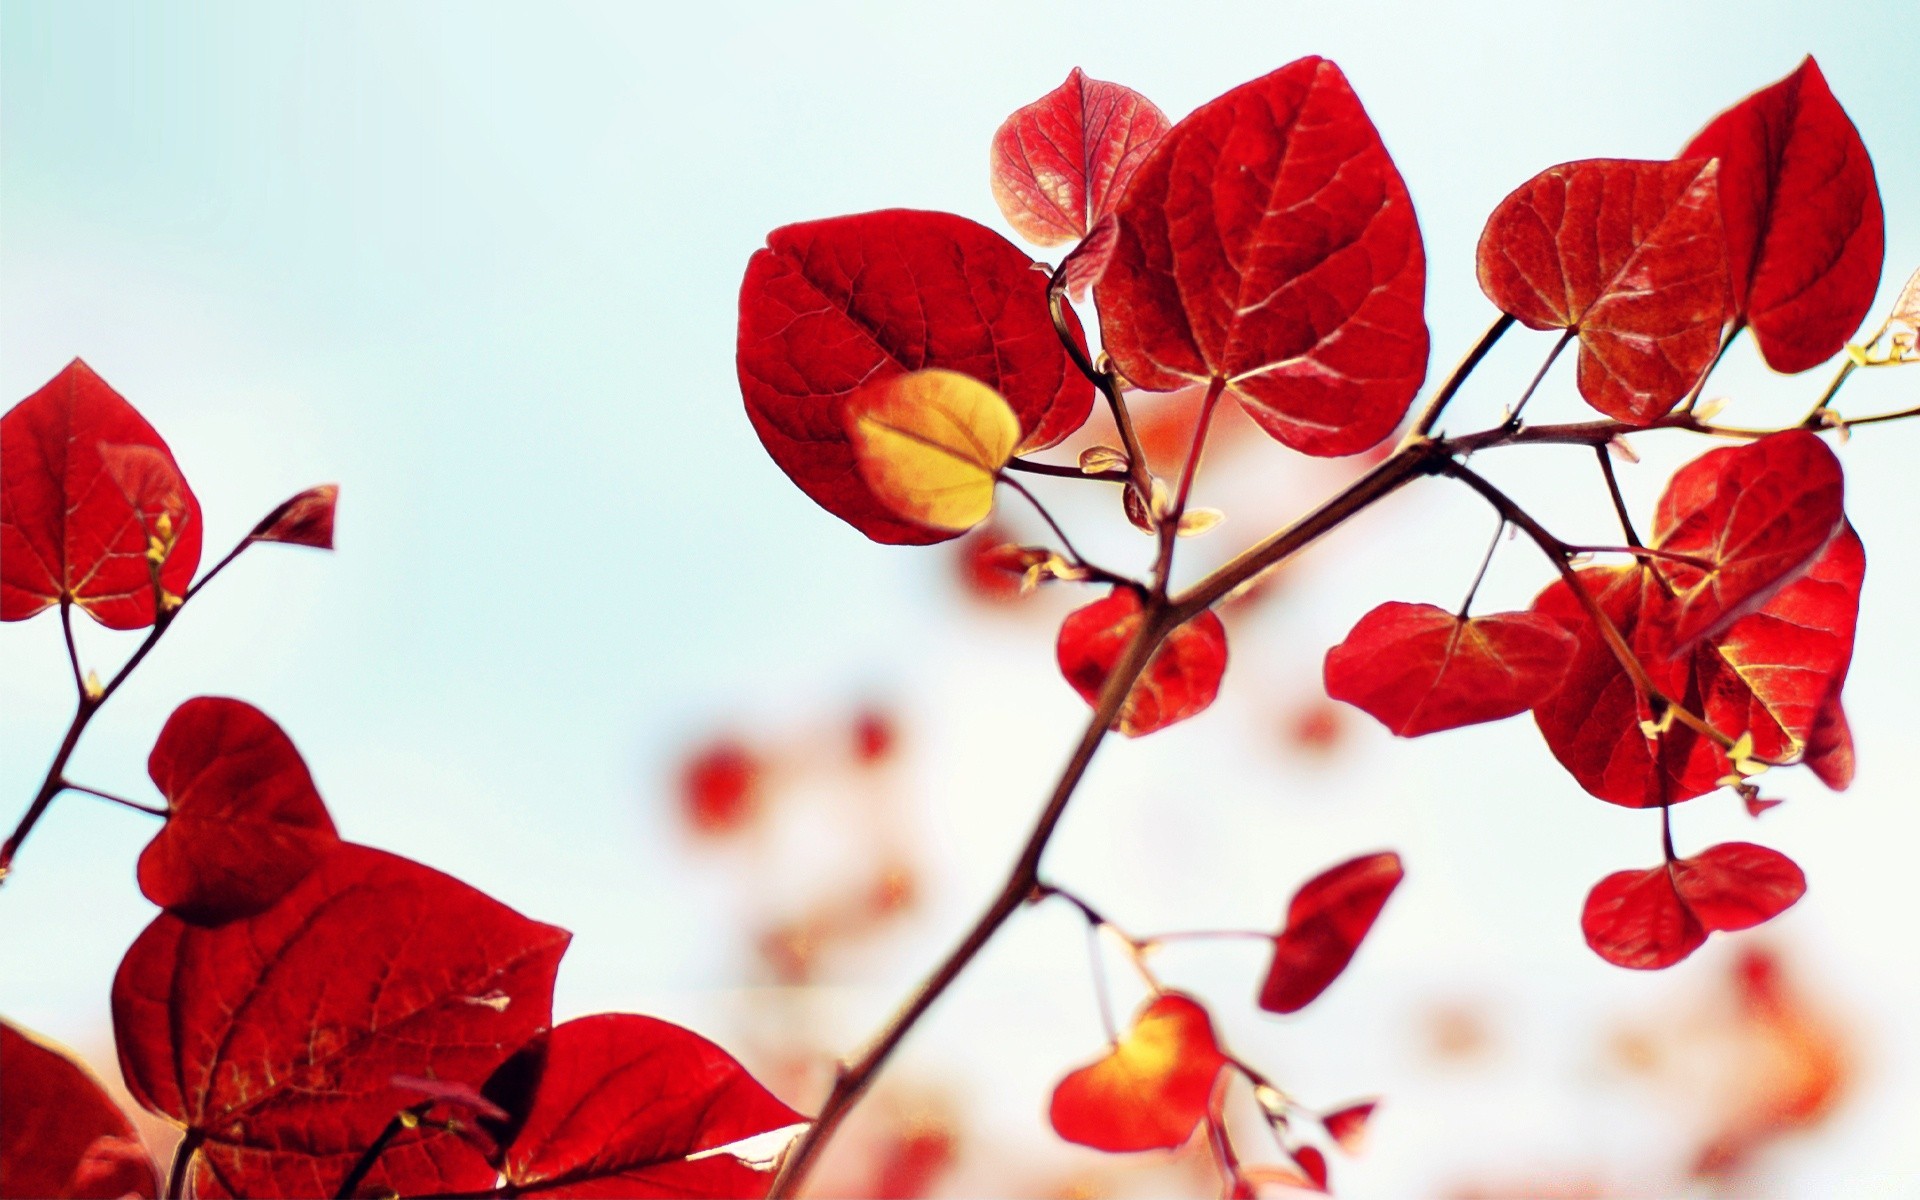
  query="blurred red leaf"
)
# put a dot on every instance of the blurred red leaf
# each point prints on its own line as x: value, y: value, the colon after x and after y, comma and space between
x: 63, y: 1136
x: 1180, y: 680
x: 1151, y: 1091
x: 1757, y: 515
x: 619, y: 1103
x: 1628, y: 254
x: 1420, y: 669
x: 830, y: 305
x: 244, y: 821
x: 875, y: 736
x: 1062, y: 162
x: 1348, y: 1126
x: 276, y: 1038
x: 1313, y: 1165
x: 1327, y: 920
x: 1647, y: 920
x: 720, y: 787
x: 1830, y: 745
x: 1268, y: 241
x: 1805, y: 233
x: 67, y: 529
x: 304, y: 520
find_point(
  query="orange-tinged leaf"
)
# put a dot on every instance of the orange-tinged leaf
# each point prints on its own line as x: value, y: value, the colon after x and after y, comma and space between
x: 1180, y: 680
x: 1348, y: 1126
x: 930, y: 445
x: 1420, y: 669
x: 1327, y: 920
x: 1647, y: 920
x: 1152, y: 1090
x: 1062, y: 162
x: 1628, y: 254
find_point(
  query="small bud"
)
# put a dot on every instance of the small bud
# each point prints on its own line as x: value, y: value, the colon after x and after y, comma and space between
x: 93, y: 687
x: 1095, y: 460
x: 1857, y: 354
x: 1136, y: 510
x: 1619, y: 448
x: 1196, y: 521
x: 1710, y: 410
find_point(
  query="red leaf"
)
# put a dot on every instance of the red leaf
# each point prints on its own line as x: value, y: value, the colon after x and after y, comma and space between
x: 1652, y: 919
x: 1062, y: 162
x: 1630, y: 255
x: 1805, y: 234
x: 620, y: 1104
x: 1421, y: 669
x: 1326, y: 922
x: 1151, y: 1091
x: 720, y: 789
x: 1087, y: 262
x: 830, y: 305
x: 1268, y: 241
x: 1348, y: 1126
x: 1759, y: 514
x: 277, y: 1037
x: 1830, y: 745
x: 1180, y: 681
x: 63, y: 1136
x: 304, y: 520
x: 1313, y: 1165
x: 244, y: 822
x: 67, y: 530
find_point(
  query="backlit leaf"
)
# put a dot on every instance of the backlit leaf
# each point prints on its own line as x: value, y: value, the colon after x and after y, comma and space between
x: 619, y: 1105
x: 1830, y: 746
x: 63, y: 1136
x: 1419, y: 669
x: 930, y: 445
x: 1062, y: 162
x: 1151, y: 1091
x: 67, y: 528
x: 1805, y: 234
x: 277, y: 1037
x: 829, y: 306
x: 1651, y: 919
x: 1268, y: 241
x: 1327, y: 920
x: 304, y: 520
x: 244, y: 821
x: 1180, y: 680
x: 1628, y: 254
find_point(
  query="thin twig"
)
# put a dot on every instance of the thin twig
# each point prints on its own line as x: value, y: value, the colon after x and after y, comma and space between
x: 1431, y: 416
x: 73, y: 651
x: 135, y: 805
x: 1480, y: 576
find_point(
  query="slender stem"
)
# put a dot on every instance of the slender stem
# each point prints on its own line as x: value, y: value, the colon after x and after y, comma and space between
x: 135, y: 805
x: 1060, y: 471
x: 1613, y: 490
x: 1877, y: 418
x: 1700, y: 384
x: 1813, y: 418
x: 1137, y: 467
x: 1097, y: 964
x: 183, y: 1153
x: 1431, y: 416
x: 1204, y: 935
x: 1513, y: 417
x: 73, y: 651
x: 401, y: 1121
x: 1666, y: 829
x: 854, y: 1077
x: 1481, y: 575
x: 1065, y: 541
x: 1170, y: 522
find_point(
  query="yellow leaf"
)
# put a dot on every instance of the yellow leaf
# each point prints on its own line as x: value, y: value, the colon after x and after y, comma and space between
x: 931, y: 444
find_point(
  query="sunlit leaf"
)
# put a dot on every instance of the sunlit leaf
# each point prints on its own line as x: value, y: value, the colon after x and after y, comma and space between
x: 931, y: 444
x: 1180, y: 680
x: 1151, y: 1091
x: 1062, y: 162
x: 1419, y: 669
x: 1652, y: 919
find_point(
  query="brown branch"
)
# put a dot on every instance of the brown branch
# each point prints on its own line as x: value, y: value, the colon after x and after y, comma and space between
x: 1431, y: 416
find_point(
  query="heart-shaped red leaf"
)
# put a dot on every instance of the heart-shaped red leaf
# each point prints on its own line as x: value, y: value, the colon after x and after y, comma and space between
x: 1805, y: 234
x: 244, y: 821
x: 1269, y: 242
x: 67, y: 528
x: 1420, y: 669
x: 1062, y: 162
x: 1756, y: 515
x: 1652, y: 919
x: 830, y: 305
x: 304, y: 520
x: 63, y: 1135
x: 1151, y: 1090
x: 1180, y: 680
x: 620, y: 1104
x: 1630, y: 255
x: 1326, y: 922
x: 276, y: 1038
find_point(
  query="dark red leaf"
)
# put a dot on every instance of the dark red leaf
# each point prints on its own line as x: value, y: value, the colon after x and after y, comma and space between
x: 1180, y: 681
x: 277, y: 1037
x: 304, y: 520
x: 1630, y: 255
x: 1151, y: 1091
x: 63, y: 1136
x: 1652, y: 919
x: 1830, y: 745
x: 1758, y: 514
x: 831, y: 305
x: 1419, y: 669
x: 621, y: 1104
x: 67, y: 529
x: 1805, y: 234
x: 1348, y: 1126
x: 1326, y: 922
x: 1062, y: 162
x: 244, y: 821
x: 1268, y: 241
